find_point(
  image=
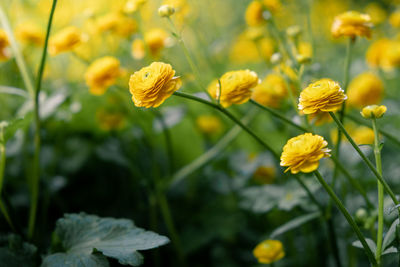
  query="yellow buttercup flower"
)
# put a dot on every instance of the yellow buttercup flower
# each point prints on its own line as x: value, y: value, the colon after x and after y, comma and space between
x: 138, y: 50
x: 29, y: 33
x: 156, y: 39
x: 264, y: 175
x: 269, y: 251
x: 101, y: 74
x: 394, y: 19
x: 323, y: 95
x: 132, y: 6
x: 254, y: 14
x: 365, y: 89
x: 4, y: 43
x: 302, y: 153
x: 271, y: 91
x: 64, y: 40
x: 153, y: 84
x: 236, y: 87
x: 117, y: 23
x: 376, y: 52
x: 352, y: 24
x: 363, y: 135
x: 209, y: 124
x: 373, y: 111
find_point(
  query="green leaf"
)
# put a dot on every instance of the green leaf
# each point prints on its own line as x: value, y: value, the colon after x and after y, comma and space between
x: 14, y: 125
x: 14, y: 252
x: 370, y: 243
x: 390, y: 250
x: 296, y: 222
x: 390, y: 235
x: 82, y: 236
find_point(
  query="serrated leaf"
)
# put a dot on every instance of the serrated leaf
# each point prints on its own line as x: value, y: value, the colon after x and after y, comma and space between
x: 370, y: 243
x: 296, y: 222
x: 390, y: 235
x: 14, y: 252
x: 83, y: 234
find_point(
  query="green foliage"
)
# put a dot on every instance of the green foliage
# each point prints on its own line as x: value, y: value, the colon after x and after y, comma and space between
x: 86, y: 238
x: 14, y: 252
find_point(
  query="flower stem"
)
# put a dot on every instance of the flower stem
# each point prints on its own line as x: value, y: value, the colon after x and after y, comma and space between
x: 348, y: 217
x: 168, y: 140
x: 36, y: 161
x: 378, y: 162
x: 366, y: 160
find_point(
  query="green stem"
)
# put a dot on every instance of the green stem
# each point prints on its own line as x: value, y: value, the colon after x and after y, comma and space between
x: 168, y: 141
x: 348, y: 217
x: 231, y: 117
x: 378, y: 162
x: 19, y: 59
x: 366, y: 160
x: 36, y: 162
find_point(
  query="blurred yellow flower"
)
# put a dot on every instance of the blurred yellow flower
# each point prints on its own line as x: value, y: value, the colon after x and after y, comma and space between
x: 271, y: 91
x: 166, y: 11
x: 323, y: 95
x: 365, y: 89
x: 117, y: 23
x: 373, y: 111
x: 4, y: 43
x: 110, y: 120
x: 152, y: 85
x: 269, y: 251
x: 182, y: 9
x: 352, y: 24
x: 272, y: 5
x: 156, y: 39
x: 236, y: 87
x: 254, y: 14
x: 363, y: 135
x: 101, y: 74
x: 64, y: 40
x: 132, y: 6
x: 377, y: 12
x: 29, y: 33
x: 305, y: 49
x: 384, y: 53
x: 138, y: 51
x: 302, y: 153
x: 209, y: 124
x: 264, y: 175
x: 394, y: 19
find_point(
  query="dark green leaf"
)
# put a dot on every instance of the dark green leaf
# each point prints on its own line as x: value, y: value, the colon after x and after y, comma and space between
x: 296, y: 222
x: 370, y: 243
x: 14, y: 252
x: 390, y: 235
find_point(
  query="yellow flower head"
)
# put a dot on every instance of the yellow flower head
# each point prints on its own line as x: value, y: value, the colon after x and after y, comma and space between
x: 4, y: 43
x: 156, y: 39
x: 182, y: 9
x: 236, y: 87
x: 254, y: 14
x: 394, y: 19
x: 64, y: 40
x: 151, y: 85
x: 209, y: 124
x: 132, y: 6
x: 272, y: 5
x: 271, y: 91
x: 101, y: 74
x: 302, y: 153
x: 373, y: 111
x: 323, y: 95
x: 363, y: 135
x: 29, y: 33
x: 166, y: 11
x: 117, y: 23
x: 352, y: 24
x: 269, y: 251
x: 376, y: 53
x: 138, y: 49
x: 365, y: 89
x: 264, y: 175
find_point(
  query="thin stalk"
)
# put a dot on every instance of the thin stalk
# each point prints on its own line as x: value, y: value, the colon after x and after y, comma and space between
x: 36, y: 162
x: 366, y: 160
x: 348, y: 217
x: 378, y: 162
x: 19, y: 59
x: 168, y: 141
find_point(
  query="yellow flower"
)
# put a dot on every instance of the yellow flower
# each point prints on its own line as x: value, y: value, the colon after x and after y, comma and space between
x: 138, y: 50
x: 373, y: 111
x: 166, y: 11
x: 132, y: 6
x: 352, y: 24
x: 29, y: 33
x: 271, y: 91
x: 151, y: 85
x: 323, y: 95
x: 209, y: 124
x: 236, y: 87
x: 110, y: 120
x: 156, y: 39
x: 377, y: 12
x: 254, y: 14
x: 365, y: 89
x: 305, y: 49
x: 4, y: 43
x: 264, y: 175
x: 101, y: 74
x: 272, y: 5
x: 117, y: 23
x: 363, y: 135
x: 394, y: 19
x: 269, y: 251
x: 302, y: 153
x: 64, y: 40
x: 182, y: 9
x: 375, y: 53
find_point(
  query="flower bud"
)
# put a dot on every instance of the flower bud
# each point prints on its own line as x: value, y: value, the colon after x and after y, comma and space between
x: 293, y: 31
x: 373, y: 111
x: 166, y: 11
x: 303, y: 59
x: 276, y: 58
